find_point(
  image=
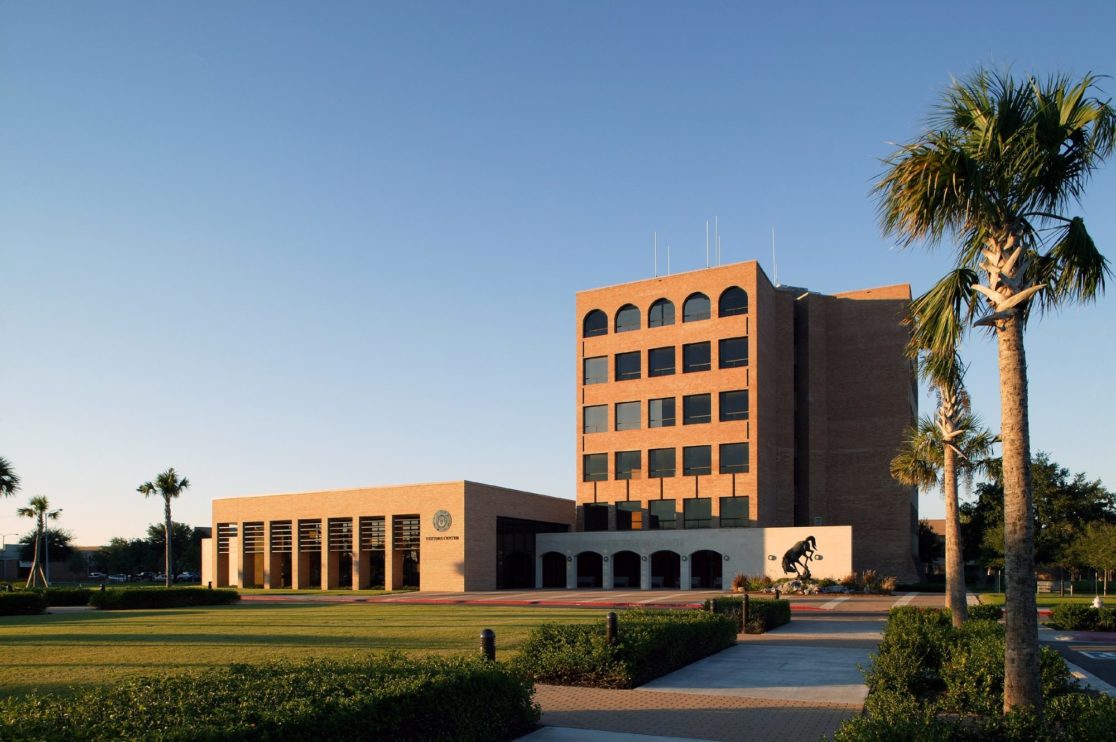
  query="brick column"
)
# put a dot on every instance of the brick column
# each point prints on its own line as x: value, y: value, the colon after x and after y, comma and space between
x: 266, y: 556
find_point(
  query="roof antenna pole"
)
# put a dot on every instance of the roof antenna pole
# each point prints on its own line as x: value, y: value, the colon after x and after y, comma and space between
x: 655, y: 253
x: 774, y: 265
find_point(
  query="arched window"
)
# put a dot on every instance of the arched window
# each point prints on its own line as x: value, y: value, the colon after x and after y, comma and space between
x: 734, y: 300
x: 627, y: 319
x: 695, y: 308
x: 661, y: 314
x: 596, y: 323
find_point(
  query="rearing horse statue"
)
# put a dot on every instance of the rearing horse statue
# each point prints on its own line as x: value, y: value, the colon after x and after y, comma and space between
x: 800, y: 555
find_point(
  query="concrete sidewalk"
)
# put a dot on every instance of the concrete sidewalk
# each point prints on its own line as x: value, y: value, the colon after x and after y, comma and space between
x: 799, y: 681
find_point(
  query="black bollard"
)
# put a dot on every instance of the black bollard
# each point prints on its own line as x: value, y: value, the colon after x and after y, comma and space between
x: 488, y: 644
x: 210, y: 585
x: 102, y: 587
x: 744, y: 615
x: 776, y: 593
x: 612, y: 631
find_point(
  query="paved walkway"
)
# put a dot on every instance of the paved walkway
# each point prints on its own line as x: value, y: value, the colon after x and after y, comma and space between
x: 797, y: 682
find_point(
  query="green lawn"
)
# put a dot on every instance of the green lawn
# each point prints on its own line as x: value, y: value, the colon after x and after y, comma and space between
x: 1049, y: 600
x: 62, y: 649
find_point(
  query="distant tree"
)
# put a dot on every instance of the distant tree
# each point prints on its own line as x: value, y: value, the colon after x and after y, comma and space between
x: 168, y: 486
x: 9, y: 482
x: 182, y: 538
x: 58, y: 542
x: 124, y: 556
x: 38, y: 509
x: 1096, y: 547
x: 931, y: 546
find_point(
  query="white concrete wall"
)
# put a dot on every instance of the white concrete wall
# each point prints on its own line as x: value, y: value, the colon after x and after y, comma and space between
x: 207, y: 561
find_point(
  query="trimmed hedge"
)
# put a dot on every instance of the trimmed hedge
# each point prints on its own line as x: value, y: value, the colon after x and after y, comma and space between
x: 763, y: 614
x: 650, y: 643
x: 1077, y: 617
x: 119, y: 599
x: 66, y: 596
x: 379, y: 697
x: 986, y: 612
x: 25, y: 603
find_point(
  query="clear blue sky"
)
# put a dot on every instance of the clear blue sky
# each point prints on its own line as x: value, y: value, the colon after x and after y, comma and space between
x: 292, y: 246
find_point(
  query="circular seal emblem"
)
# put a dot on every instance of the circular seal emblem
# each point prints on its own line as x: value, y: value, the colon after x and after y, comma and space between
x: 442, y: 520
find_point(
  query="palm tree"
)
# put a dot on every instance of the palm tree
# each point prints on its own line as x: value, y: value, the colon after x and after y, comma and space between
x: 9, y: 482
x: 168, y: 486
x: 936, y: 453
x: 999, y: 166
x: 39, y: 509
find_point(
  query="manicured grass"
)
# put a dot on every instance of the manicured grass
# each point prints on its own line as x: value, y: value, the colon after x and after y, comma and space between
x: 61, y: 649
x: 1049, y: 600
x: 311, y: 593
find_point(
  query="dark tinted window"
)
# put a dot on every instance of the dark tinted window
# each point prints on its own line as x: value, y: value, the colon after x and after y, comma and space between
x: 627, y: 416
x: 596, y: 517
x: 695, y: 409
x: 628, y: 464
x: 661, y: 514
x: 595, y: 419
x: 596, y: 323
x: 594, y: 467
x: 695, y: 357
x: 627, y: 366
x: 734, y: 405
x: 629, y: 516
x: 733, y: 352
x: 660, y: 413
x: 734, y: 458
x: 734, y: 300
x: 697, y: 512
x: 627, y: 319
x: 661, y: 314
x: 660, y: 361
x: 697, y: 460
x: 695, y: 308
x: 595, y: 370
x: 734, y: 512
x: 660, y: 463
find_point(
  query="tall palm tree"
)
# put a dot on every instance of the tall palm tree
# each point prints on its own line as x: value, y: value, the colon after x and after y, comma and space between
x: 940, y: 451
x: 9, y: 482
x: 38, y: 508
x: 168, y: 486
x: 1001, y: 163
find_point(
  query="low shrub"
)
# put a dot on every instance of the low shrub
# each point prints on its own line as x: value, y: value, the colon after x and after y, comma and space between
x: 378, y: 697
x: 119, y: 599
x: 986, y: 612
x: 869, y: 581
x: 1078, y: 617
x: 650, y: 643
x: 909, y: 657
x: 66, y: 596
x: 740, y: 582
x: 25, y: 603
x: 763, y: 614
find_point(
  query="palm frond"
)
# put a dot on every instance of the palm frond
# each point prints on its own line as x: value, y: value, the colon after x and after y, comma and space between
x: 938, y: 318
x: 1073, y: 268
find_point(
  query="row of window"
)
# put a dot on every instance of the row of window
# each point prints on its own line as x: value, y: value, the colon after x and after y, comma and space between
x: 733, y: 301
x: 731, y: 353
x: 697, y: 512
x: 661, y: 462
x: 696, y: 409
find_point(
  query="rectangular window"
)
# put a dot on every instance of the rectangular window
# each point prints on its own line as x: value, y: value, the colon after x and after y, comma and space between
x: 596, y: 517
x: 734, y: 405
x: 627, y: 366
x: 697, y: 460
x: 628, y: 464
x: 660, y: 361
x: 661, y: 515
x: 695, y: 357
x: 734, y: 512
x: 629, y: 516
x: 695, y: 409
x: 660, y: 463
x: 594, y: 467
x: 734, y: 458
x: 697, y: 512
x: 595, y: 370
x: 660, y: 413
x: 627, y: 416
x: 595, y: 418
x: 733, y: 352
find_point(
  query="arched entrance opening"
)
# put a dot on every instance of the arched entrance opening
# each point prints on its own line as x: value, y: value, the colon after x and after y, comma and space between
x: 665, y: 569
x: 554, y: 569
x: 706, y: 569
x: 589, y: 569
x: 625, y: 570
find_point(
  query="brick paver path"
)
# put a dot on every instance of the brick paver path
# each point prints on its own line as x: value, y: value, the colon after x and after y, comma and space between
x: 688, y: 715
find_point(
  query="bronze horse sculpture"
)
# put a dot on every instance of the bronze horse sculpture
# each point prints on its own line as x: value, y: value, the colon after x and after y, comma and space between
x: 800, y: 555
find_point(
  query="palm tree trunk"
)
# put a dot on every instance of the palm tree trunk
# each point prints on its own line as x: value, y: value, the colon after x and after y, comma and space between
x: 32, y: 577
x: 1021, y: 655
x: 955, y: 563
x: 167, y: 527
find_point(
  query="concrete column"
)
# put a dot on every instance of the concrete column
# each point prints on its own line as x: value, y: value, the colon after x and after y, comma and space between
x: 645, y: 572
x: 236, y: 571
x: 358, y: 557
x: 266, y: 556
x: 329, y: 563
x: 538, y: 571
x: 392, y: 566
x: 298, y: 575
x: 684, y: 572
x: 571, y: 573
x: 608, y: 578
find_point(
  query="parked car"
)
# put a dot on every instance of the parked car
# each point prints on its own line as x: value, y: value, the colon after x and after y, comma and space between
x: 96, y: 575
x: 118, y: 578
x: 188, y: 577
x: 160, y: 578
x: 146, y: 576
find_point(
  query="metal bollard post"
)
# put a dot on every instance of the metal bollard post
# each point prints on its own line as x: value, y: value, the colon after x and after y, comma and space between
x: 102, y: 587
x: 744, y: 615
x: 488, y: 644
x: 612, y: 633
x: 776, y: 593
x: 210, y: 585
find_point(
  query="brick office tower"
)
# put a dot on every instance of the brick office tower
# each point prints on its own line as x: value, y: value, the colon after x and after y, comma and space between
x: 713, y: 399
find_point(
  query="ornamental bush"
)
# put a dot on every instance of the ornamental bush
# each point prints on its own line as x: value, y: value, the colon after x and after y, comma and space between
x: 1077, y: 617
x: 376, y: 697
x: 986, y: 612
x: 650, y: 643
x: 763, y: 614
x: 119, y: 599
x: 58, y: 596
x: 25, y: 603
